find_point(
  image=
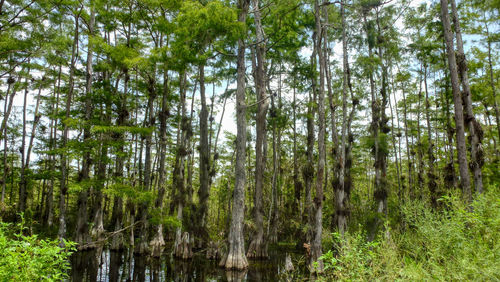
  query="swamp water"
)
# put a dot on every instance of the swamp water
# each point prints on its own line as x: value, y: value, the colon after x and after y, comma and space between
x: 108, y: 265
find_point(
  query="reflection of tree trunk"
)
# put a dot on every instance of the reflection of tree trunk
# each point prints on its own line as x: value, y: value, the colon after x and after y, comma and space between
x: 457, y: 100
x: 235, y: 257
x: 115, y: 262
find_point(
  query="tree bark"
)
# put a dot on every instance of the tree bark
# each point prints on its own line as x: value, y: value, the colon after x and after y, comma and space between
x: 235, y: 257
x: 178, y: 172
x: 316, y: 265
x: 158, y: 242
x: 64, y: 169
x: 22, y: 183
x: 431, y: 176
x: 48, y: 214
x: 203, y: 193
x: 475, y: 130
x: 142, y: 247
x: 258, y: 246
x: 81, y: 234
x: 340, y: 192
x: 457, y: 100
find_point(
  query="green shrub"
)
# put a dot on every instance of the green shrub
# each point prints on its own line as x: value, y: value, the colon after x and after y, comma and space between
x: 27, y: 258
x: 457, y: 243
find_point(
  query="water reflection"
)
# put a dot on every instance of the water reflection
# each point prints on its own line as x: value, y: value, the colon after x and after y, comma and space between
x: 106, y: 265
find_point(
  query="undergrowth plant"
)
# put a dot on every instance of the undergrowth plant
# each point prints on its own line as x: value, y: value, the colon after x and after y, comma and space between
x: 28, y: 258
x: 456, y: 243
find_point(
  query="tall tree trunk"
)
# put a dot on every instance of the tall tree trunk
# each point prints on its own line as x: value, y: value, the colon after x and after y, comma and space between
x: 272, y: 232
x: 393, y: 135
x: 407, y: 141
x: 492, y: 81
x: 340, y: 192
x: 22, y: 183
x: 235, y: 257
x: 450, y: 178
x: 3, y: 134
x: 475, y: 130
x: 122, y: 120
x: 142, y: 247
x: 258, y: 246
x: 431, y: 176
x: 8, y: 106
x: 182, y: 249
x: 380, y: 193
x: 457, y: 100
x: 158, y: 242
x: 64, y: 169
x: 48, y: 214
x: 26, y: 161
x: 297, y: 184
x: 308, y: 170
x: 203, y: 193
x: 81, y: 234
x: 316, y: 265
x: 420, y: 152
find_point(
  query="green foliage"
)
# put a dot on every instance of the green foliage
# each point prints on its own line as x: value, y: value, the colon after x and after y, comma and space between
x: 28, y: 258
x: 458, y: 243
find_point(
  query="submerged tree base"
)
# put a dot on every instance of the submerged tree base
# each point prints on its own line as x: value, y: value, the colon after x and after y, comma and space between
x: 183, y: 245
x: 257, y: 250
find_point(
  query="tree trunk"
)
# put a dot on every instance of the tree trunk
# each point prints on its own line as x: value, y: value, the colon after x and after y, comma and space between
x: 203, y: 193
x: 180, y: 250
x: 36, y: 120
x: 158, y: 242
x: 380, y: 193
x: 258, y: 246
x: 122, y: 120
x: 235, y: 257
x: 48, y: 214
x: 475, y: 130
x: 64, y: 169
x: 431, y: 177
x: 457, y: 100
x: 3, y: 133
x: 315, y: 264
x: 340, y: 192
x: 492, y: 82
x: 22, y: 183
x: 142, y: 247
x: 81, y: 234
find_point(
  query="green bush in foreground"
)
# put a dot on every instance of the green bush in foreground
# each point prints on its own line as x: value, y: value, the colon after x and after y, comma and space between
x: 27, y: 258
x: 457, y: 243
